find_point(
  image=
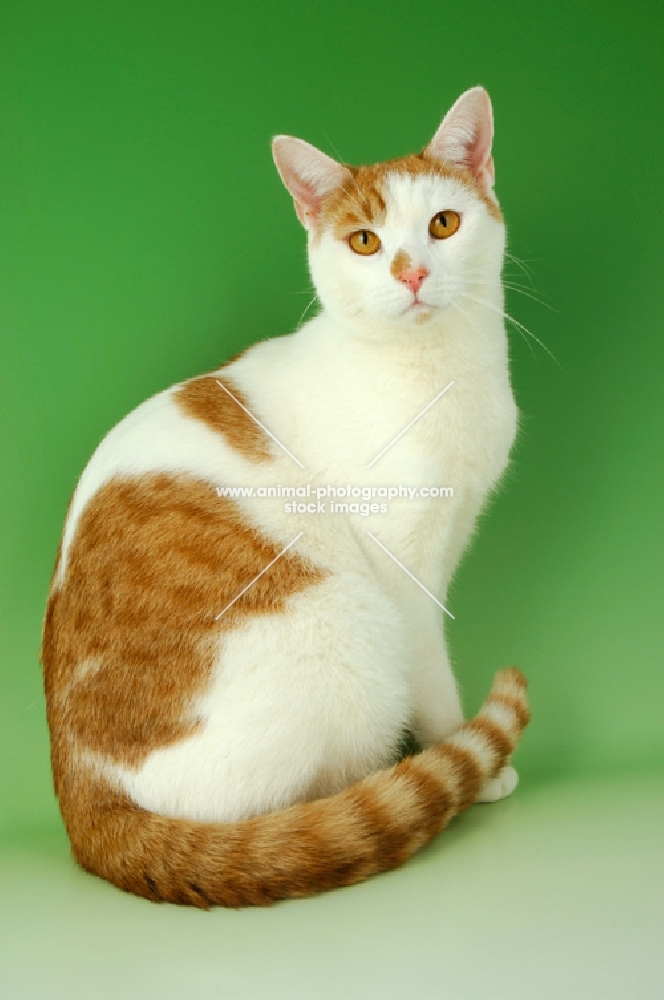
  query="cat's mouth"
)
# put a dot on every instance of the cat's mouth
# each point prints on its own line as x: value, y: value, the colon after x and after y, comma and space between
x: 419, y: 307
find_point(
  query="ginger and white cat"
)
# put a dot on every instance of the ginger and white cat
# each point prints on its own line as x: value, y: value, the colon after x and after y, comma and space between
x: 229, y: 679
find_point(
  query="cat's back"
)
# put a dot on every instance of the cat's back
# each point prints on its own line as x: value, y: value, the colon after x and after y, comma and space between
x: 202, y: 429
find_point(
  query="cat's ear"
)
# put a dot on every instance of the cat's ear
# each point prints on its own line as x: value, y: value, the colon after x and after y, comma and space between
x: 464, y: 136
x: 308, y: 174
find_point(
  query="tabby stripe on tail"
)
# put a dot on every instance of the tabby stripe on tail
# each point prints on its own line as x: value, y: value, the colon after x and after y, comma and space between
x: 373, y: 826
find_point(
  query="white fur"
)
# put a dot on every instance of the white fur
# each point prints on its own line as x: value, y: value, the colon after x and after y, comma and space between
x: 499, y: 787
x: 306, y: 701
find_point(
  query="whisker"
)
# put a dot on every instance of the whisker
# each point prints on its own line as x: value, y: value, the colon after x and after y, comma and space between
x: 475, y: 325
x: 520, y: 332
x: 515, y: 322
x: 306, y: 310
x: 300, y: 291
x: 529, y: 295
x: 521, y: 264
x: 517, y: 288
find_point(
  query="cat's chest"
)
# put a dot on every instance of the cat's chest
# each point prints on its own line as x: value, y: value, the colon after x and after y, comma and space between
x: 452, y: 429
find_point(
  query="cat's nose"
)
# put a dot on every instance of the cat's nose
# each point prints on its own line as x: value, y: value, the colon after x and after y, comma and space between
x: 413, y: 277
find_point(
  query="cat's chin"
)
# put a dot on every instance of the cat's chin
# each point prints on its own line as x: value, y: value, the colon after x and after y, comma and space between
x: 422, y: 313
x: 418, y: 313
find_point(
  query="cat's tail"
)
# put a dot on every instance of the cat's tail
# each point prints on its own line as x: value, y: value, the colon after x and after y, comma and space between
x: 371, y: 827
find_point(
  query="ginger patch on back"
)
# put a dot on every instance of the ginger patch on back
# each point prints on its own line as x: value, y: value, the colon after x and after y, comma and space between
x: 205, y: 400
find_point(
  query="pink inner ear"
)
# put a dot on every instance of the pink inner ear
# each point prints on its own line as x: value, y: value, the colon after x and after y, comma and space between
x: 465, y: 135
x: 490, y: 171
x: 479, y: 149
x: 307, y: 212
x: 307, y: 202
x: 307, y: 173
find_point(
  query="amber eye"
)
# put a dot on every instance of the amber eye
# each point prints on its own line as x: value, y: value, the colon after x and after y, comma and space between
x: 364, y: 242
x: 444, y: 224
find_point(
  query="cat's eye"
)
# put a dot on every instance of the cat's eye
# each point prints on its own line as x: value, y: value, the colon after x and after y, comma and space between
x: 444, y: 224
x: 364, y: 242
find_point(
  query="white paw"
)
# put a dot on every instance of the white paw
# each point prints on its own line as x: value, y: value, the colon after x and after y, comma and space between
x: 499, y: 787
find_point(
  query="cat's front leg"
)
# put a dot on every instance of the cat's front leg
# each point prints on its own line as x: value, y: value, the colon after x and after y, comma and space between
x: 499, y: 787
x: 438, y: 712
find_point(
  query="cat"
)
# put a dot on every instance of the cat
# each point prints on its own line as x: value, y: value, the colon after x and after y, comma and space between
x: 230, y: 679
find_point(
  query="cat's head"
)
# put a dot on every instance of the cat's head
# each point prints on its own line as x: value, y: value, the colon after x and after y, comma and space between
x: 399, y: 243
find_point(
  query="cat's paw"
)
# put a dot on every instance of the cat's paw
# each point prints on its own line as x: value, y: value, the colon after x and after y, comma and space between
x: 499, y: 787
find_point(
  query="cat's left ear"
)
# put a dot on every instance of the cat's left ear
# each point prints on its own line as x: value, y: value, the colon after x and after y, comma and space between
x: 465, y: 135
x: 308, y: 174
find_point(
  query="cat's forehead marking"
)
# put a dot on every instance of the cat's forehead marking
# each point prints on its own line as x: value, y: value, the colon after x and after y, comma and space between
x: 205, y: 400
x: 132, y: 635
x: 361, y: 201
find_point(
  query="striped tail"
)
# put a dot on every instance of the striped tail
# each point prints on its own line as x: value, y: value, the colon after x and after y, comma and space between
x: 371, y: 827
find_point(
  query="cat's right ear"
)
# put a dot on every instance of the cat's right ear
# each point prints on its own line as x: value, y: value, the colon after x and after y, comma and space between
x: 308, y: 174
x: 465, y: 136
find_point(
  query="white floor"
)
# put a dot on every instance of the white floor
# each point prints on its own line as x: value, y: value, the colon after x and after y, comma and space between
x: 555, y: 894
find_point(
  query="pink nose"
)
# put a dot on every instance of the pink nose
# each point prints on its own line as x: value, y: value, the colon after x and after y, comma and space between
x: 414, y: 277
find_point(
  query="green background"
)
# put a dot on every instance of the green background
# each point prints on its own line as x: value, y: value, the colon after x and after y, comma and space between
x: 144, y: 237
